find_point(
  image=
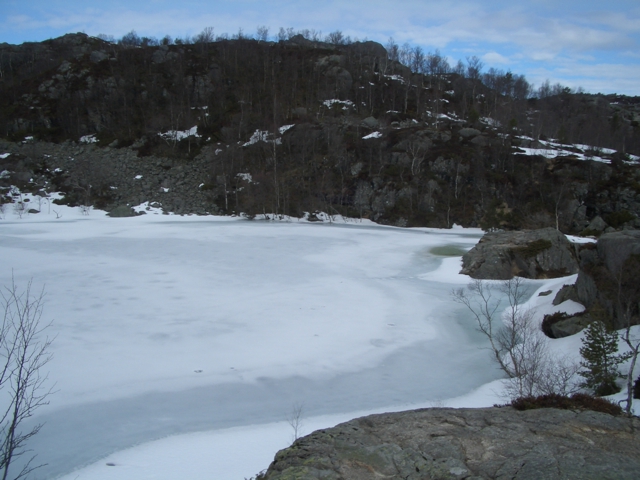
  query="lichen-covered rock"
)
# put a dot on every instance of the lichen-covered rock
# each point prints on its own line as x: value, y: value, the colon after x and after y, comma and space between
x: 467, y: 444
x: 544, y: 253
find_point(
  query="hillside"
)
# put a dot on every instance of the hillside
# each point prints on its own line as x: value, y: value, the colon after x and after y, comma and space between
x: 284, y: 128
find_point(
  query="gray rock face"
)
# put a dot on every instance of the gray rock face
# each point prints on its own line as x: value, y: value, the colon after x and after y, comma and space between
x: 615, y: 248
x: 600, y: 268
x: 544, y: 253
x: 467, y: 444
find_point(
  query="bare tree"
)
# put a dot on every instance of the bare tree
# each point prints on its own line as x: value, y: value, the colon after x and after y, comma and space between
x: 628, y: 309
x: 336, y: 37
x: 262, y: 33
x: 393, y: 50
x: 295, y: 419
x: 205, y: 36
x: 517, y: 344
x: 24, y: 350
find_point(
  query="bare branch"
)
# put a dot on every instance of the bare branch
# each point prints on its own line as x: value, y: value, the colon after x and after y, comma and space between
x: 24, y: 351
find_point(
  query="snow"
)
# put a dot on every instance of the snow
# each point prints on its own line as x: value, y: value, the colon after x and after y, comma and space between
x: 491, y: 122
x: 451, y: 116
x: 372, y: 135
x: 260, y: 136
x: 397, y: 78
x: 284, y: 128
x: 557, y: 152
x: 553, y: 149
x: 346, y: 103
x: 245, y: 176
x: 576, y: 239
x: 88, y: 139
x: 149, y: 208
x: 183, y: 343
x: 177, y: 135
x: 4, y: 155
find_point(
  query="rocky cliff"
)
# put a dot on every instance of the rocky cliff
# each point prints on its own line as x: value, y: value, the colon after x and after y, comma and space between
x: 486, y: 443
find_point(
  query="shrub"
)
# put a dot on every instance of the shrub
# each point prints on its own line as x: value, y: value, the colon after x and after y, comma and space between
x: 577, y: 401
x: 617, y: 219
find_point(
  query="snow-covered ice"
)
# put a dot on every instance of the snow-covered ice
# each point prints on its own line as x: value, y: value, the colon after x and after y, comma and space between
x: 183, y: 343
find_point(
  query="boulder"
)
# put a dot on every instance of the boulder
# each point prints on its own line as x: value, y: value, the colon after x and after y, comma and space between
x: 597, y: 224
x: 469, y: 132
x: 570, y: 326
x: 544, y: 253
x: 122, y: 211
x: 480, y: 141
x: 481, y: 443
x: 370, y: 122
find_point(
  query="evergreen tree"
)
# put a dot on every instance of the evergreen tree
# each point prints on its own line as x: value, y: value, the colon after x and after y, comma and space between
x: 600, y: 361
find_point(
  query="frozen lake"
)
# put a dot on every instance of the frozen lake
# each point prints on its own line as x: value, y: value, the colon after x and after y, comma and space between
x: 167, y: 325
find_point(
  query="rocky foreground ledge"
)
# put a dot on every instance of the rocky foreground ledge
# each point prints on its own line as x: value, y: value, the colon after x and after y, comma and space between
x: 444, y: 443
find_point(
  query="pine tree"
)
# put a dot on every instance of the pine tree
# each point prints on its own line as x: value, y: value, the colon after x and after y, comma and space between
x: 600, y: 361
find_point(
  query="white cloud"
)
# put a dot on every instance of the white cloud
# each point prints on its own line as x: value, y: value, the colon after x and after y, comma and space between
x: 494, y: 58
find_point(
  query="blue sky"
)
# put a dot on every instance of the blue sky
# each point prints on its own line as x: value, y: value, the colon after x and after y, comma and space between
x: 585, y: 43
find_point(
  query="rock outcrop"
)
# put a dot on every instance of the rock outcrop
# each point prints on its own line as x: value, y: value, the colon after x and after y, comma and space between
x: 544, y: 253
x: 467, y: 444
x: 607, y: 279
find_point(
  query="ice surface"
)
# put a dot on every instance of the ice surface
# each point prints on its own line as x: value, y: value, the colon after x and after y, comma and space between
x: 170, y: 324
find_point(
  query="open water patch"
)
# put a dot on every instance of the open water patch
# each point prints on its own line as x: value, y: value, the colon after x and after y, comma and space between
x: 448, y: 251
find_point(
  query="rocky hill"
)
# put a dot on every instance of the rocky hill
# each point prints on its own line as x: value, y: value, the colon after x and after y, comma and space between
x: 440, y: 443
x: 298, y: 126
